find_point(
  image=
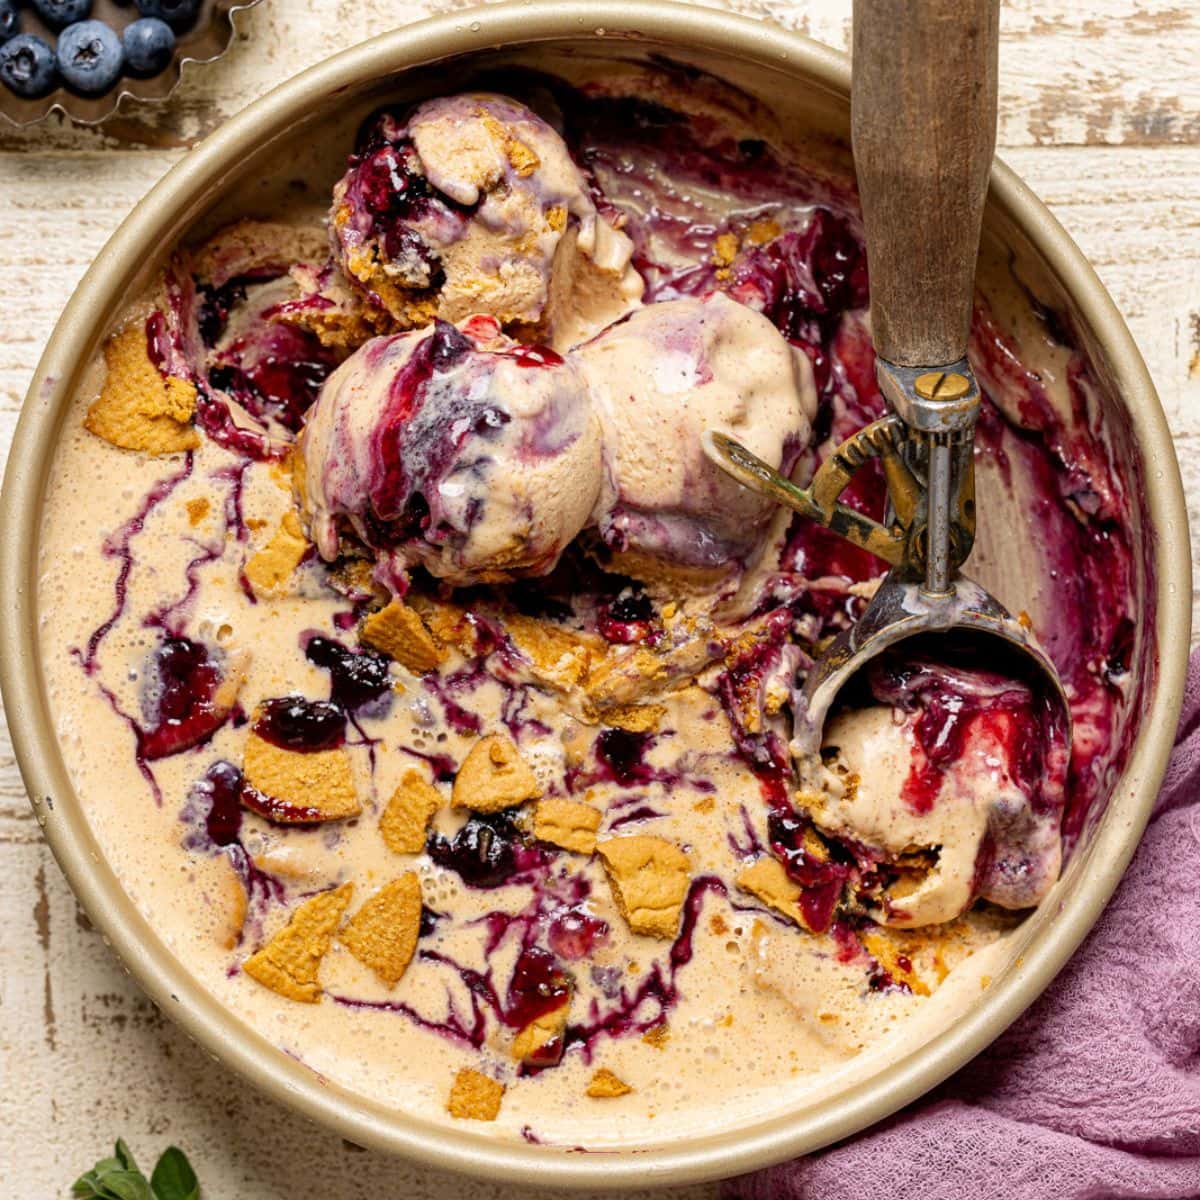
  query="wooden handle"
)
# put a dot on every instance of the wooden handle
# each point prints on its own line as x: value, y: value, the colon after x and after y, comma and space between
x: 923, y: 113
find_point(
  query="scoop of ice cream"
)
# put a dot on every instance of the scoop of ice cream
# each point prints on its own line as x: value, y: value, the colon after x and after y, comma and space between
x: 660, y: 378
x: 474, y: 205
x: 456, y: 448
x: 956, y: 780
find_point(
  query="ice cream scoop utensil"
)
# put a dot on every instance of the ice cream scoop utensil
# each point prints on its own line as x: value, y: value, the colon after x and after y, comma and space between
x: 923, y: 113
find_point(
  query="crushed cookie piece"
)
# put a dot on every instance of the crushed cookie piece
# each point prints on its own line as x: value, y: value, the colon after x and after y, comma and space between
x: 636, y: 718
x: 383, y: 933
x: 556, y: 218
x: 494, y: 776
x: 559, y: 658
x: 718, y: 924
x: 891, y: 957
x: 475, y: 1096
x: 767, y: 879
x: 197, y: 509
x: 270, y: 568
x: 657, y: 1035
x: 449, y: 623
x: 604, y: 1085
x: 399, y: 632
x: 649, y: 877
x: 566, y: 823
x: 289, y: 962
x: 725, y: 249
x: 232, y: 905
x: 540, y: 1043
x: 762, y: 231
x: 306, y: 786
x: 705, y: 804
x: 138, y: 407
x: 405, y: 821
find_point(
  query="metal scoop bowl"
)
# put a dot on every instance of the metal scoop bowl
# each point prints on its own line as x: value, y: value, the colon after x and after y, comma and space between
x: 904, y: 606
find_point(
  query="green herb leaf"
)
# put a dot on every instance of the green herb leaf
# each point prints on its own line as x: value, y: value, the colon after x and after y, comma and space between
x: 88, y: 1185
x: 126, y: 1185
x: 173, y: 1177
x: 125, y: 1157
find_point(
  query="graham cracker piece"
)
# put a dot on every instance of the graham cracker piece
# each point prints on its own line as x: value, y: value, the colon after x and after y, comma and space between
x: 524, y: 161
x: 319, y: 784
x: 233, y: 902
x: 399, y: 632
x: 540, y: 1042
x: 767, y: 879
x: 889, y: 954
x: 332, y: 308
x: 475, y: 1096
x: 657, y: 1035
x: 198, y: 509
x: 139, y: 408
x: 270, y: 568
x: 405, y: 821
x: 383, y: 933
x: 725, y: 249
x: 290, y: 961
x: 559, y: 658
x: 566, y: 823
x: 494, y: 776
x: 449, y: 623
x: 604, y: 1085
x: 649, y: 877
x: 636, y: 718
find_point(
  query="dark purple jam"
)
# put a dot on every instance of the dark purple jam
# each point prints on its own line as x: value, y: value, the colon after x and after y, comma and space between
x: 223, y: 785
x: 180, y: 699
x: 1020, y: 723
x: 538, y: 986
x: 821, y: 877
x: 624, y: 754
x: 294, y: 723
x: 274, y: 372
x: 574, y: 933
x: 215, y: 305
x: 357, y: 677
x: 487, y: 851
x: 628, y: 619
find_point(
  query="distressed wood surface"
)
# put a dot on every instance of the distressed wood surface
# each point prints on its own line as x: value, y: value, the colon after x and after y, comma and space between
x: 1100, y: 113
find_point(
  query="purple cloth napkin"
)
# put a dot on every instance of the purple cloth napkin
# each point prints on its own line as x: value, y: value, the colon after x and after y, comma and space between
x: 1094, y: 1093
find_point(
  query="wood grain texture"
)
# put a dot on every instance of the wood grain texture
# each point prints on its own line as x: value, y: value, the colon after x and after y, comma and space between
x: 923, y: 111
x: 1099, y: 112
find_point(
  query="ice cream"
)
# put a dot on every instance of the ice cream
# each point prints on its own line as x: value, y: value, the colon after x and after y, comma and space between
x: 955, y: 779
x: 475, y: 456
x: 661, y: 378
x: 527, y: 853
x: 482, y: 458
x: 474, y: 205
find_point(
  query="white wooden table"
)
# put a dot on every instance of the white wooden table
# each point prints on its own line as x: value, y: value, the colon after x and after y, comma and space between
x: 1100, y: 112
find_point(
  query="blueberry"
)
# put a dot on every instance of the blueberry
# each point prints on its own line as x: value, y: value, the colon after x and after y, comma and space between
x: 149, y: 45
x: 27, y: 66
x: 9, y: 20
x: 60, y: 13
x: 179, y: 14
x: 89, y: 57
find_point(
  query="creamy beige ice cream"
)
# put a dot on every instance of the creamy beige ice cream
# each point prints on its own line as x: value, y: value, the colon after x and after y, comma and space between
x: 957, y: 784
x: 660, y: 379
x: 474, y: 205
x: 474, y: 456
x: 527, y: 860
